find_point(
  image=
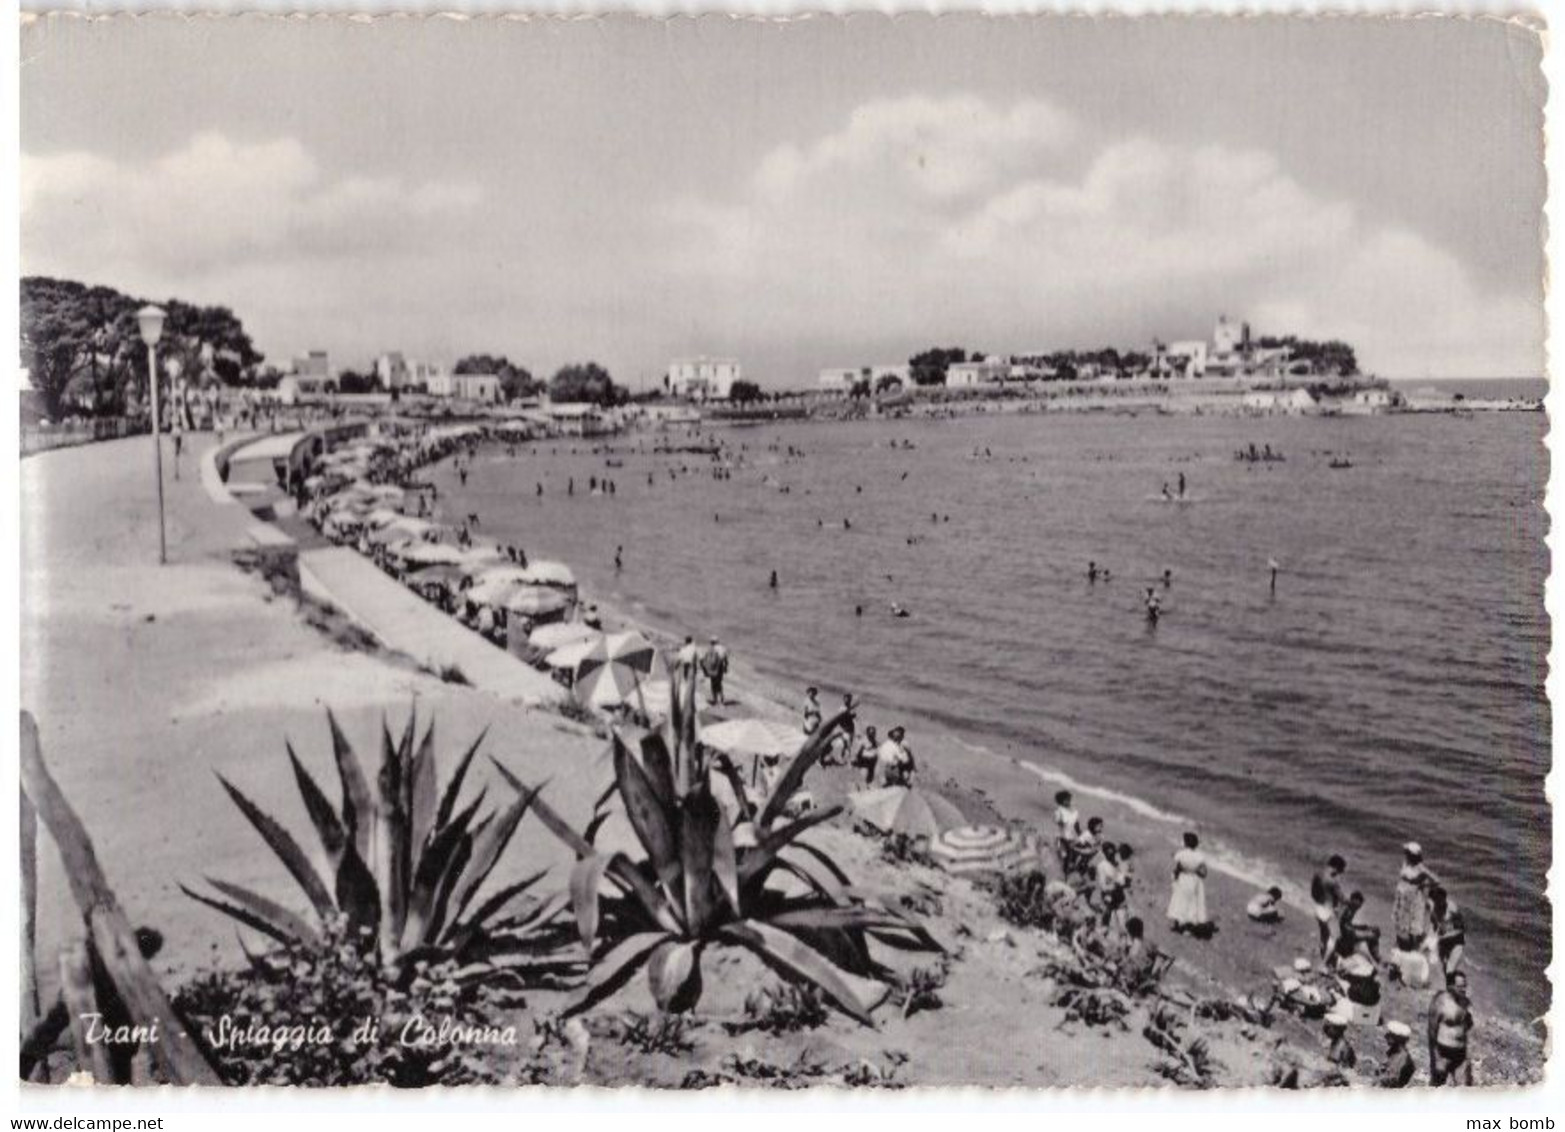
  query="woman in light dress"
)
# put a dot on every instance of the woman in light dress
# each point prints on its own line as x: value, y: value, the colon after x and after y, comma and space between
x: 1187, y: 903
x: 1410, y: 908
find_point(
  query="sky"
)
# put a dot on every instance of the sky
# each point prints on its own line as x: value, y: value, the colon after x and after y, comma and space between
x: 802, y: 193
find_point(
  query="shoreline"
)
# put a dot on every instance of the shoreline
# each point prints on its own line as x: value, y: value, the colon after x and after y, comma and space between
x: 990, y: 784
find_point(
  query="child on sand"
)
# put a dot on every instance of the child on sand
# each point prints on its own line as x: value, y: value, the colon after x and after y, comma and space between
x: 1266, y: 907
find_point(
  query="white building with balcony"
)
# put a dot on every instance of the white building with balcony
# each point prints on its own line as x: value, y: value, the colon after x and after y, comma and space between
x: 703, y: 378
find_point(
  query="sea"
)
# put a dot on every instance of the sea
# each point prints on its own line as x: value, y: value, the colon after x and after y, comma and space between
x: 1390, y: 688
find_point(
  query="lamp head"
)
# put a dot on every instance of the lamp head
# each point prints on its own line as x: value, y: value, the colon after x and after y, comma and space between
x: 151, y: 319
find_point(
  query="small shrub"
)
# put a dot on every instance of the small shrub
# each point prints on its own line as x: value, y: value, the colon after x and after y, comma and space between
x: 904, y: 849
x: 453, y: 674
x: 921, y: 989
x: 576, y: 711
x: 657, y: 1033
x: 1023, y: 899
x: 782, y: 1009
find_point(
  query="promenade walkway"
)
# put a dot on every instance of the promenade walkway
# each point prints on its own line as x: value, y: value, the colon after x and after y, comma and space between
x: 148, y: 681
x: 402, y: 621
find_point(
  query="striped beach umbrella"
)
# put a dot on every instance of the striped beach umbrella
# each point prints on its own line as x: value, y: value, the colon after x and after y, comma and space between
x: 982, y: 849
x: 904, y: 809
x: 607, y: 676
x: 569, y: 655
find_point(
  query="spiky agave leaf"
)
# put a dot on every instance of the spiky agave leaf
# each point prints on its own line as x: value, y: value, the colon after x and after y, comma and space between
x: 391, y: 849
x: 586, y: 879
x: 422, y: 788
x: 792, y: 778
x: 772, y: 841
x: 699, y: 818
x: 281, y: 842
x: 614, y: 968
x: 256, y: 911
x: 653, y: 825
x: 795, y: 960
x: 353, y: 886
x: 454, y: 787
x: 674, y: 975
x: 358, y: 804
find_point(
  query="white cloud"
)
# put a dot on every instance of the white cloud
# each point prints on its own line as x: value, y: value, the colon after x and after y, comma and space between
x: 1003, y: 224
x: 212, y: 206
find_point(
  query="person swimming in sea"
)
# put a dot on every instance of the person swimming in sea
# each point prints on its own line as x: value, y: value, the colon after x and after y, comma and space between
x: 1092, y: 572
x: 898, y: 611
x: 1181, y: 485
x: 1168, y: 579
x: 1168, y: 496
x: 1154, y: 606
x: 619, y: 558
x: 773, y: 582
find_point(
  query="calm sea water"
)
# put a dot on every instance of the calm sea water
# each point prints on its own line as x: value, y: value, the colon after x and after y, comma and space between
x: 1393, y: 688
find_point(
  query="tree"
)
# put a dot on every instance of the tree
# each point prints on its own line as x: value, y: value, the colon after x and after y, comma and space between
x: 515, y: 380
x: 585, y: 382
x: 351, y: 381
x: 929, y: 367
x: 82, y: 345
x: 888, y: 383
x: 742, y: 392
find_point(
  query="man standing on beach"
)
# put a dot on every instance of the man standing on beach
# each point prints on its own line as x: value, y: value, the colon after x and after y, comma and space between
x: 687, y: 657
x: 1450, y: 1023
x: 715, y: 666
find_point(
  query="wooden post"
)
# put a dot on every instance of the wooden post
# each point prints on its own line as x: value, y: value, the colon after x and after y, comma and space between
x: 176, y: 1052
x: 81, y: 1002
x: 32, y: 1008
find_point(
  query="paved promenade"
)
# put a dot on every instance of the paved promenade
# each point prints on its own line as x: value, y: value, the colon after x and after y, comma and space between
x: 403, y: 622
x: 146, y: 681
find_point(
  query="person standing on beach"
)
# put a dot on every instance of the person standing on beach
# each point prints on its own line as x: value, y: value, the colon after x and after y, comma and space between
x: 1187, y: 902
x: 1067, y: 826
x: 864, y: 756
x: 1326, y: 893
x: 894, y: 761
x: 1450, y: 931
x: 1450, y: 1024
x: 812, y: 710
x: 619, y: 559
x: 1181, y: 485
x: 1410, y: 921
x: 714, y: 665
x: 1272, y: 565
x: 686, y: 658
x: 773, y: 582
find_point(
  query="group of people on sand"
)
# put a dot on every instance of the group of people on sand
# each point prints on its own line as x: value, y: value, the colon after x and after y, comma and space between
x: 710, y: 664
x: 882, y: 762
x: 1428, y: 937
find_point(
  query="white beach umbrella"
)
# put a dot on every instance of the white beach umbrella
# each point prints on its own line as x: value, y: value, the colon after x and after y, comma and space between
x: 549, y: 637
x: 739, y: 737
x: 550, y: 574
x: 430, y: 553
x: 534, y: 601
x: 568, y: 656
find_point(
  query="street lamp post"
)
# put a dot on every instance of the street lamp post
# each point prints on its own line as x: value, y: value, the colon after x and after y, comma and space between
x: 151, y: 319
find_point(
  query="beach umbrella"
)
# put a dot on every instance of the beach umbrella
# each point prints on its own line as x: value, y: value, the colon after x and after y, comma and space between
x: 550, y: 637
x: 982, y: 849
x: 500, y: 573
x: 535, y: 601
x: 568, y: 656
x: 608, y: 674
x: 380, y: 516
x: 430, y: 553
x: 549, y: 574
x: 737, y: 737
x: 494, y: 592
x: 445, y: 574
x: 903, y: 809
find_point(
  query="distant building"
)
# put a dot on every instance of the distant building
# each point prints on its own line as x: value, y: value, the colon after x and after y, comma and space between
x: 296, y: 388
x: 392, y: 369
x: 467, y: 386
x: 841, y: 379
x: 703, y: 378
x: 880, y: 378
x: 314, y: 364
x: 992, y: 370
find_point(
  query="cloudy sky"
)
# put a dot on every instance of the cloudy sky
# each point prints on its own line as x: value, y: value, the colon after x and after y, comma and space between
x: 799, y: 194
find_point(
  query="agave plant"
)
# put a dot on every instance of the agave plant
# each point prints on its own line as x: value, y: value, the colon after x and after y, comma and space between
x: 707, y: 880
x: 405, y: 866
